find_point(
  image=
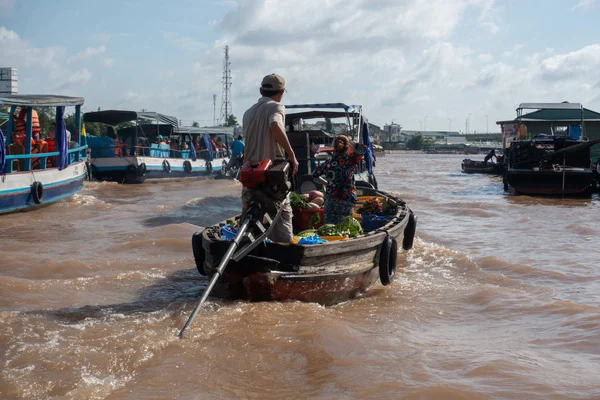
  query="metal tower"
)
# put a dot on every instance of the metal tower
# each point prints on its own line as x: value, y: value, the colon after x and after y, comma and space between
x: 214, y: 110
x: 226, y: 96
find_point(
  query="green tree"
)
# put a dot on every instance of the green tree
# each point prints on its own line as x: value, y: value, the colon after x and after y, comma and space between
x: 231, y: 120
x: 195, y: 124
x: 328, y: 125
x: 47, y: 116
x: 419, y: 142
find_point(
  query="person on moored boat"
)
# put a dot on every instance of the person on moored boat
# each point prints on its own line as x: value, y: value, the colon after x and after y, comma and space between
x: 489, y: 156
x: 339, y: 170
x: 237, y: 150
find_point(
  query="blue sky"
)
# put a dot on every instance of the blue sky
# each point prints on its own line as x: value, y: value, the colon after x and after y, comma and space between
x: 420, y: 63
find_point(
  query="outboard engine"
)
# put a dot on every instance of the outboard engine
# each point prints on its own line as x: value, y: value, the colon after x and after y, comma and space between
x: 268, y: 181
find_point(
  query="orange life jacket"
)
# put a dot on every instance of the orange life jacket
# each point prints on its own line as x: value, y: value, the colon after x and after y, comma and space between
x: 21, y: 121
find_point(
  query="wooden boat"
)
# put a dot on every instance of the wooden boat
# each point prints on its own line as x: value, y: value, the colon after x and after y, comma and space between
x: 325, y: 273
x: 554, y: 163
x: 32, y: 176
x: 133, y: 153
x: 250, y: 267
x: 479, y: 167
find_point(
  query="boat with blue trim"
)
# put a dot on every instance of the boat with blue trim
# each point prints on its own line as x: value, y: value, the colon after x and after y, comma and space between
x: 135, y: 146
x: 35, y: 171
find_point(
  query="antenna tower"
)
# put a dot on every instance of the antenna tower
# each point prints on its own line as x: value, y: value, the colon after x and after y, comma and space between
x: 226, y: 96
x: 214, y: 109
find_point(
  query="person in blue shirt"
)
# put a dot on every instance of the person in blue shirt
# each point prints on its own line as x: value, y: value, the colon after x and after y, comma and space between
x: 237, y: 150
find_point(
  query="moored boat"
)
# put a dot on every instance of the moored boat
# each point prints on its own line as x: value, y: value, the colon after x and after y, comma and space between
x: 37, y: 172
x: 480, y: 167
x: 554, y: 162
x: 139, y: 146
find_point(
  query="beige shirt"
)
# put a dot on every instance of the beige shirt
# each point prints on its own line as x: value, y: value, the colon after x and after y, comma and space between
x: 260, y: 144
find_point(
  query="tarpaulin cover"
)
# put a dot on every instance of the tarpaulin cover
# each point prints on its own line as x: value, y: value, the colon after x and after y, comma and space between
x: 62, y: 143
x: 193, y: 155
x: 367, y: 142
x: 207, y: 142
x: 2, y: 152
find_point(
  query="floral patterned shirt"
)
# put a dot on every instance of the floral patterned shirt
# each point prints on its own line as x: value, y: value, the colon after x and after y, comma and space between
x: 339, y: 172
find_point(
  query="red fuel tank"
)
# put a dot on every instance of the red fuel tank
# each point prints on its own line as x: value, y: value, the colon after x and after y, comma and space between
x: 254, y: 173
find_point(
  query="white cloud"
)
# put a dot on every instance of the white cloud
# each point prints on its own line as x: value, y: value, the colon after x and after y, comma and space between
x: 574, y: 65
x: 21, y: 54
x: 109, y: 62
x: 584, y: 4
x: 74, y: 79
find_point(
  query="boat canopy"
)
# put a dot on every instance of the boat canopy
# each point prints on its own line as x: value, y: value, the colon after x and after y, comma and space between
x: 345, y: 107
x: 315, y: 114
x: 40, y: 100
x: 211, y: 130
x: 115, y: 117
x: 550, y: 106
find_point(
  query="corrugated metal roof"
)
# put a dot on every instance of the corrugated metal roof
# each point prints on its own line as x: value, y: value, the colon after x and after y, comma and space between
x: 561, y: 115
x: 550, y: 106
x: 556, y: 115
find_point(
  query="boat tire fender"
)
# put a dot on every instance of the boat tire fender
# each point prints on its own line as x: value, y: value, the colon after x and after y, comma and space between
x: 409, y: 232
x: 187, y: 166
x: 199, y: 252
x: 387, y: 260
x: 209, y: 167
x: 37, y: 192
x: 166, y: 166
x: 141, y: 169
x: 88, y: 170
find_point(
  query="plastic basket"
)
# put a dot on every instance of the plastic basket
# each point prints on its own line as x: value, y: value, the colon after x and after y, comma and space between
x: 228, y: 232
x: 373, y: 222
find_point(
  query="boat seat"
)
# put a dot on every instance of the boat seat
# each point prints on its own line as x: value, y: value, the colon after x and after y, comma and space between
x: 14, y: 149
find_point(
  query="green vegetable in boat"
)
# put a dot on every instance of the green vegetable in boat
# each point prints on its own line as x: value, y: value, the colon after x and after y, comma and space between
x: 308, y: 233
x: 297, y: 201
x: 352, y: 225
x: 329, y: 230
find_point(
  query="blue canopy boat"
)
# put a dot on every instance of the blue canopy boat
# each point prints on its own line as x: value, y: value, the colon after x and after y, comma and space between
x: 32, y: 176
x: 139, y: 152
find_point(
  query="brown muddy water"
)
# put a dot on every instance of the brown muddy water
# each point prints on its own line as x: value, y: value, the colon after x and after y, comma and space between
x: 499, y: 299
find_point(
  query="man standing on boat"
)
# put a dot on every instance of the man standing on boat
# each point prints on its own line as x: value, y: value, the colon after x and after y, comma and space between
x: 264, y: 131
x: 237, y: 150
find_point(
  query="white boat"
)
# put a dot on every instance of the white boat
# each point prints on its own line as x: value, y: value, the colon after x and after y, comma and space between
x: 136, y: 146
x: 32, y: 175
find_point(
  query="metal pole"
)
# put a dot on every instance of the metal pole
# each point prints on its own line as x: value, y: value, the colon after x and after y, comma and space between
x: 217, y: 274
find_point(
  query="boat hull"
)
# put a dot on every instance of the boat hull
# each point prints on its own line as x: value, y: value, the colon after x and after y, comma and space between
x: 551, y: 183
x: 327, y: 273
x: 479, y: 167
x: 16, y: 188
x: 130, y: 169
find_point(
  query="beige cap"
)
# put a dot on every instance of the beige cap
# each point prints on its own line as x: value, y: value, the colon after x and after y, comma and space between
x: 273, y: 82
